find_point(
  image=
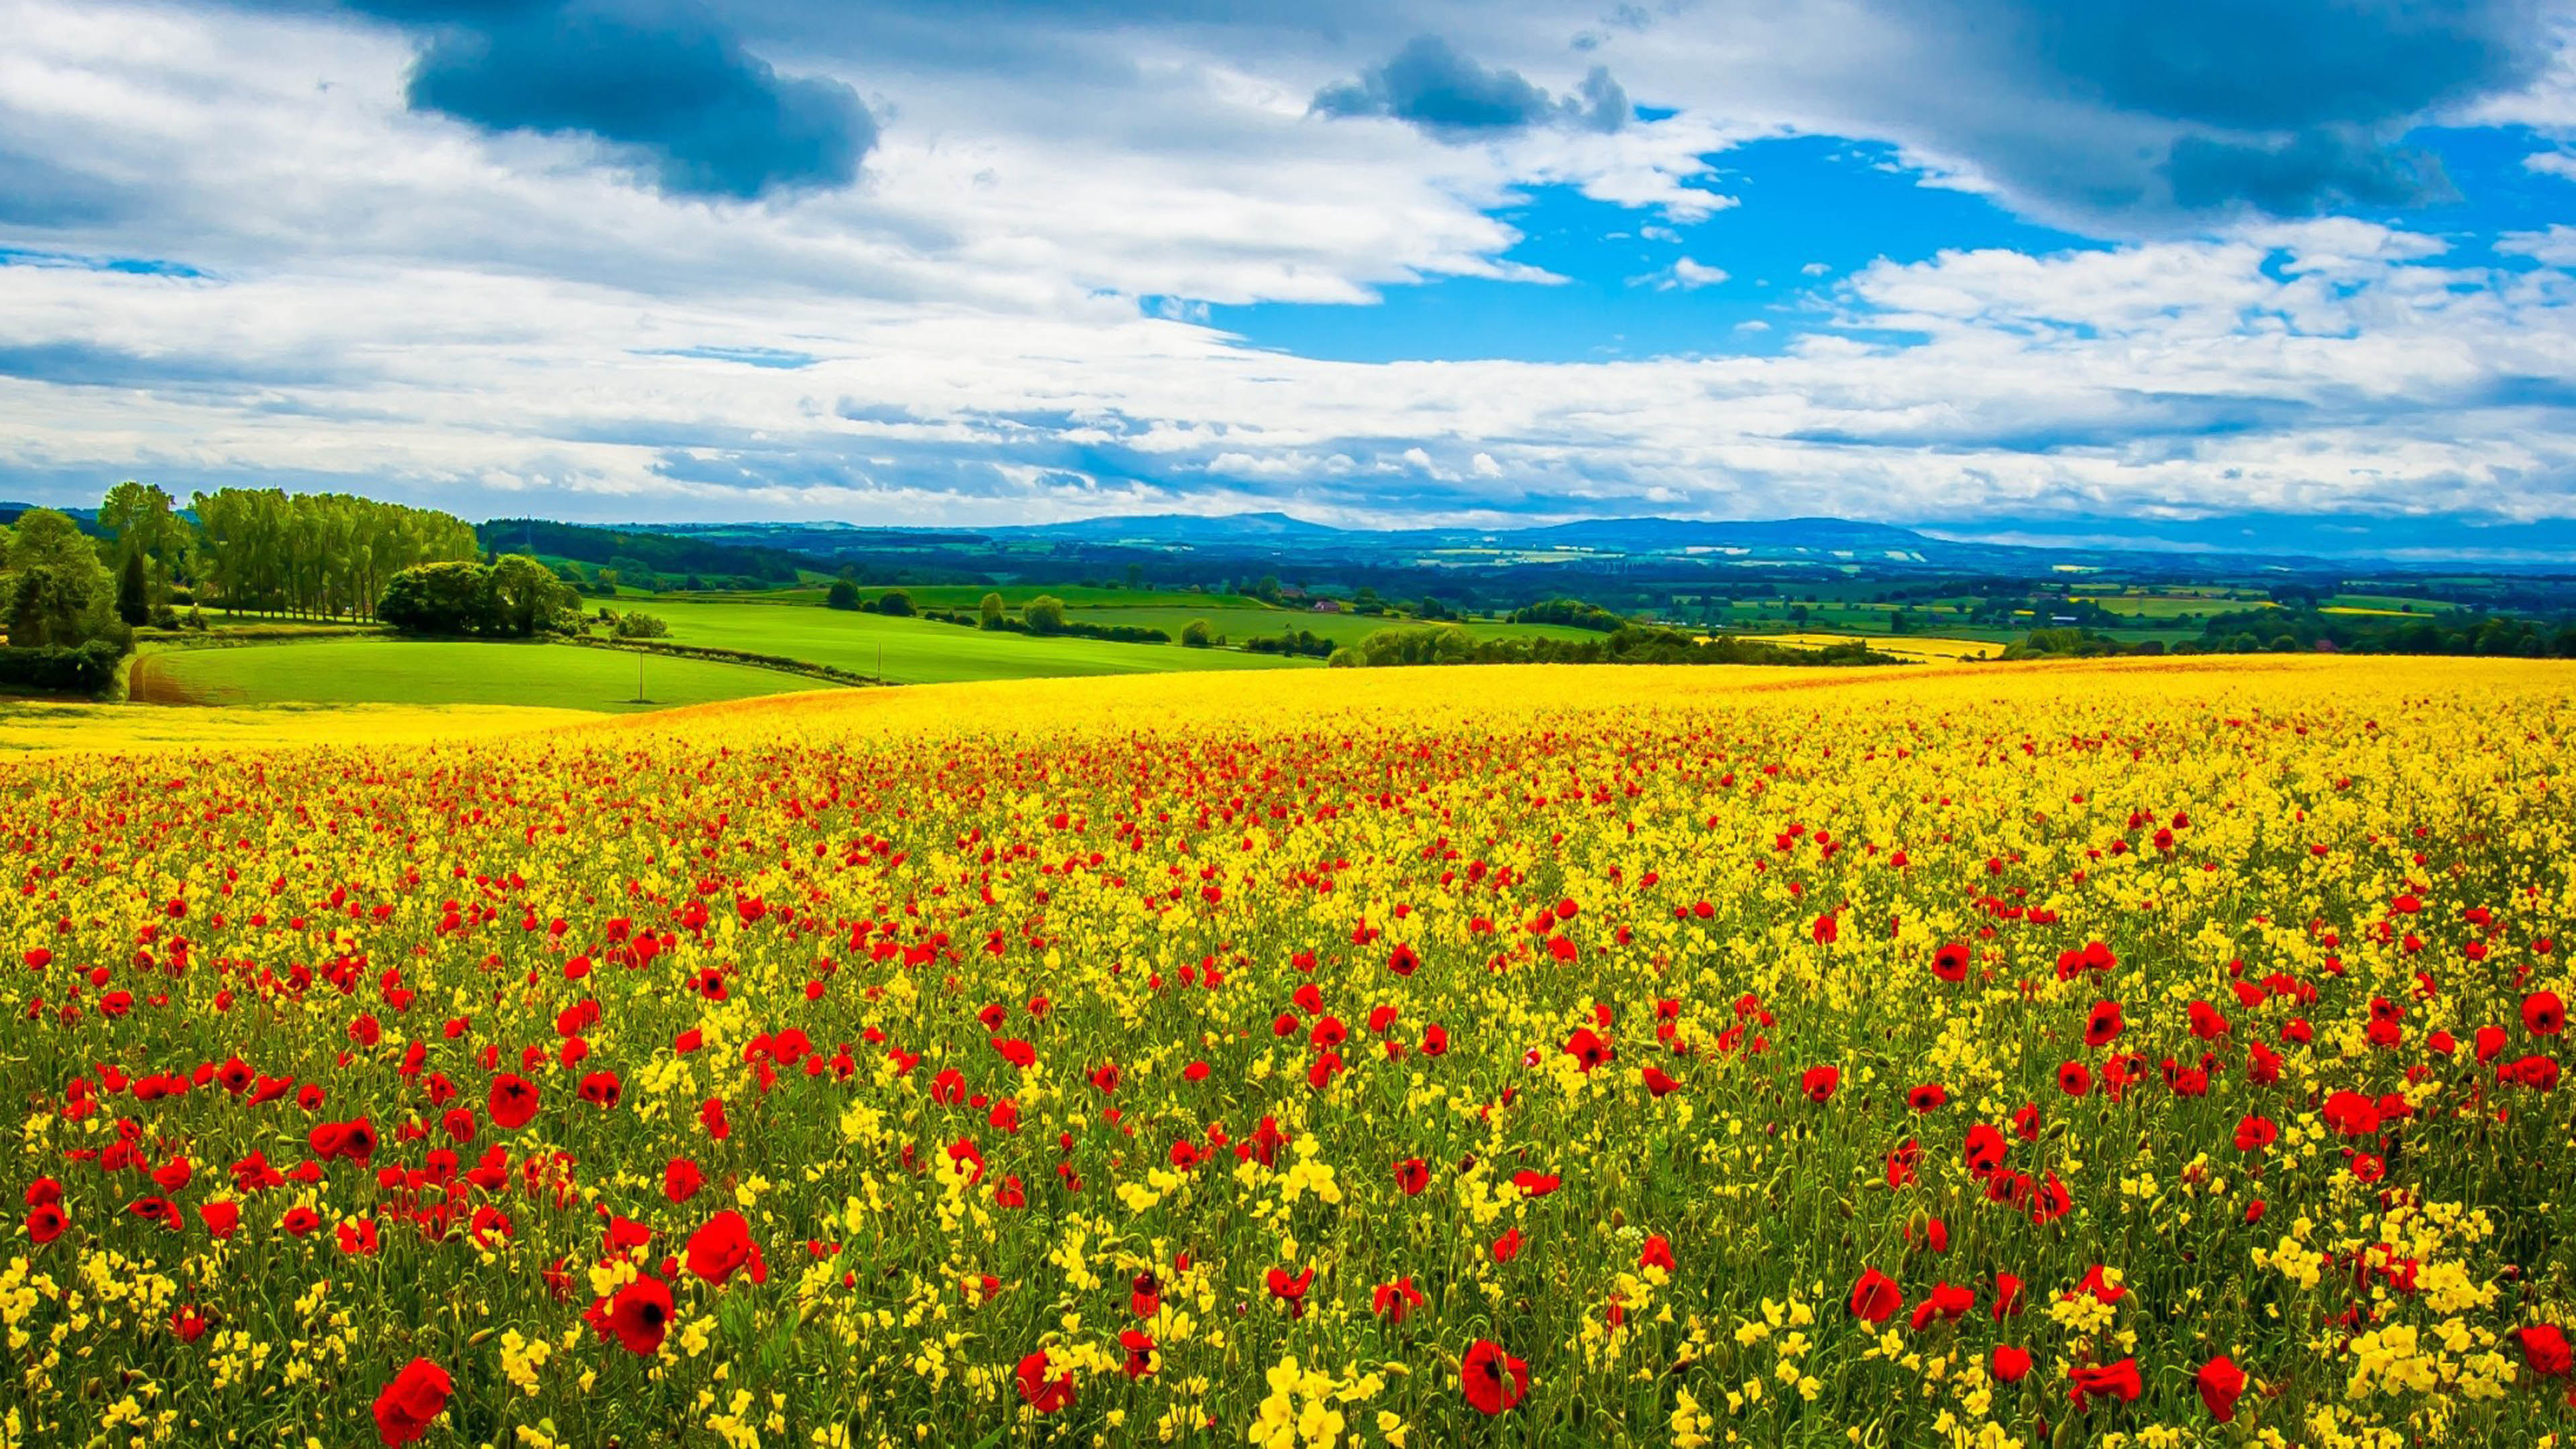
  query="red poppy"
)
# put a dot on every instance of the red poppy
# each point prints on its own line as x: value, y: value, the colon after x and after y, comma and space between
x: 1658, y: 1081
x: 1658, y: 1253
x: 724, y: 1246
x: 1876, y: 1298
x: 407, y: 1406
x: 2103, y: 1024
x: 2075, y: 1079
x: 640, y: 1314
x: 45, y: 1222
x: 1819, y: 1082
x: 2011, y: 1364
x: 2545, y: 1348
x: 2105, y: 1381
x: 1046, y: 1395
x: 222, y: 1219
x: 601, y: 1089
x: 1950, y: 963
x: 681, y: 1180
x: 1931, y: 1096
x: 2256, y: 1133
x: 513, y: 1102
x: 2221, y: 1383
x: 1492, y: 1379
x: 1508, y: 1246
x: 1140, y: 1361
x: 1290, y: 1290
x: 1413, y: 1176
x: 1392, y: 1301
x: 2543, y: 1014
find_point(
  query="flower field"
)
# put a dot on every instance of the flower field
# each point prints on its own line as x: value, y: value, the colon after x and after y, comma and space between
x: 2113, y: 1054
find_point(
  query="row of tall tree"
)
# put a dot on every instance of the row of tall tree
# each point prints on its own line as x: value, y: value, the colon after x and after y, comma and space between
x: 313, y: 555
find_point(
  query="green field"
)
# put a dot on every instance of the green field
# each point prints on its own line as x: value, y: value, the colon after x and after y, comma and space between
x: 1255, y: 622
x: 919, y: 651
x: 394, y: 671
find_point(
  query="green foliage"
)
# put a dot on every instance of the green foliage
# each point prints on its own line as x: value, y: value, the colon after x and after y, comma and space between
x: 57, y: 593
x: 895, y: 602
x: 1291, y: 640
x: 1044, y: 614
x: 324, y: 555
x: 843, y: 595
x: 634, y: 624
x: 1571, y: 612
x: 77, y: 669
x: 989, y: 612
x: 513, y: 597
x: 1198, y: 634
x: 134, y: 591
x: 1635, y: 644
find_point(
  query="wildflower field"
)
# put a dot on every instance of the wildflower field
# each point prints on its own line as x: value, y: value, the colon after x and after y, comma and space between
x: 2109, y: 1054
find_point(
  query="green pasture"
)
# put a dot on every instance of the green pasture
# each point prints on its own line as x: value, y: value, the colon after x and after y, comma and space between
x: 402, y: 671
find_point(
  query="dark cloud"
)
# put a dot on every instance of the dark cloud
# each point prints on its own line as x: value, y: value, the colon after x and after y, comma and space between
x: 2309, y: 174
x: 1430, y: 84
x: 672, y: 86
x: 2287, y: 106
x: 2277, y: 65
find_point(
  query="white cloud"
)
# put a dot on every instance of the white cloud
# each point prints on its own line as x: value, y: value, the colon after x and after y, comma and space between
x: 401, y: 304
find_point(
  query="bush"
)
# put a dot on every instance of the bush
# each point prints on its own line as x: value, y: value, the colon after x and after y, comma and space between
x: 638, y: 625
x: 438, y: 598
x: 1197, y: 634
x: 80, y: 669
x: 896, y: 603
x: 1044, y: 614
x: 989, y: 614
x: 511, y: 598
x: 842, y: 595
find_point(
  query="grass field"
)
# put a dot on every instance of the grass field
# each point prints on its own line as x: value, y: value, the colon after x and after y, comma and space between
x: 2122, y: 1054
x: 389, y: 671
x: 919, y: 651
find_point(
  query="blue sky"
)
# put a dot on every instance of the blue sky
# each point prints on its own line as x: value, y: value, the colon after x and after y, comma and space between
x: 2003, y: 264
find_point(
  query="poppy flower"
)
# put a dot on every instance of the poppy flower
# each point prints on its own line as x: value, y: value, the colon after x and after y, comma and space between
x: 681, y: 1180
x: 1930, y: 1096
x: 45, y: 1222
x: 1657, y: 1253
x: 1492, y: 1379
x: 2221, y: 1383
x: 2011, y: 1364
x: 1046, y: 1395
x: 640, y: 1314
x: 222, y: 1219
x: 1392, y: 1301
x: 407, y: 1406
x: 2075, y: 1079
x: 2544, y: 1348
x: 722, y: 1247
x: 1508, y: 1246
x: 2103, y: 1024
x: 1950, y: 963
x: 1290, y: 1290
x: 1876, y: 1298
x: 2543, y: 1014
x: 1413, y: 1176
x: 1140, y: 1360
x: 513, y: 1103
x: 2105, y: 1381
x: 2255, y: 1133
x: 1658, y: 1081
x: 601, y: 1089
x: 1819, y: 1082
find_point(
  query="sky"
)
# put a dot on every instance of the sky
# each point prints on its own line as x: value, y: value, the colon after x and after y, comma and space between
x: 1991, y: 265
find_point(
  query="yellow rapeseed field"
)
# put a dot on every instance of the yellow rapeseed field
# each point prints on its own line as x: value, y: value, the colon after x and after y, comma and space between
x: 2129, y: 1053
